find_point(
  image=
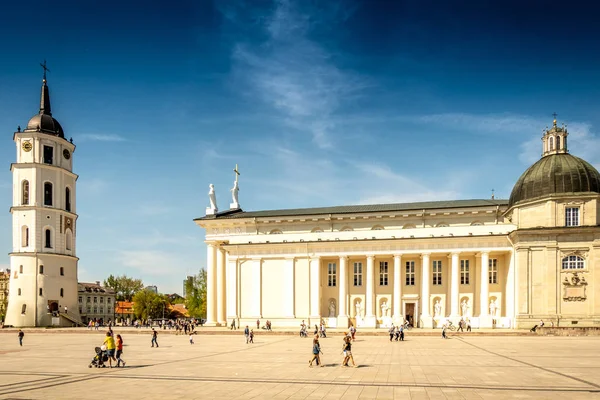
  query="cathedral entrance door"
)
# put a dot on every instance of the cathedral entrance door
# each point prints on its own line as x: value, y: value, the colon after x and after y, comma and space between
x: 409, y: 313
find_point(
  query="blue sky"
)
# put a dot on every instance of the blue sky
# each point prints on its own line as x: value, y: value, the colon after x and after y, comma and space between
x: 319, y: 102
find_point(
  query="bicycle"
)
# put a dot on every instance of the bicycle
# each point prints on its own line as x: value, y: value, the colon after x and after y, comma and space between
x: 451, y: 326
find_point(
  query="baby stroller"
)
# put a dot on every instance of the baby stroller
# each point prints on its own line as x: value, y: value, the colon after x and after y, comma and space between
x: 100, y: 358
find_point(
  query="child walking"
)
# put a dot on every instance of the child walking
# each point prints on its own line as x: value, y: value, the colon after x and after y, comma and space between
x: 347, y: 350
x: 120, y: 351
x: 191, y: 338
x: 316, y: 350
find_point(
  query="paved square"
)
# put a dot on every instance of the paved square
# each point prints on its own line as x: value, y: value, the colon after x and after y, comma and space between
x: 55, y: 366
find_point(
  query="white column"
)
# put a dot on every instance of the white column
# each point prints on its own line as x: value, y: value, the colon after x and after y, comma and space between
x: 484, y: 291
x: 396, y: 303
x: 257, y: 287
x: 425, y: 281
x: 211, y: 285
x: 454, y: 275
x: 370, y: 292
x: 232, y: 289
x: 221, y: 290
x: 315, y: 290
x: 510, y: 288
x: 289, y: 285
x: 342, y: 307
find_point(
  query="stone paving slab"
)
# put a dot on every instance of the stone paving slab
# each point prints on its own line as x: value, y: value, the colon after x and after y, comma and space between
x: 54, y: 365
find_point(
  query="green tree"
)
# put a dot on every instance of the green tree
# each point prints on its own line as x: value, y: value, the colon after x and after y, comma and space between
x: 195, y: 289
x: 125, y: 287
x: 149, y: 305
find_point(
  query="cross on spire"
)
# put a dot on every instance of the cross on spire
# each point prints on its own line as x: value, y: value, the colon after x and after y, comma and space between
x: 554, y: 114
x: 45, y: 69
x: 237, y: 172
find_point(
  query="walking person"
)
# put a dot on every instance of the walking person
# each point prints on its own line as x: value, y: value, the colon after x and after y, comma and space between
x: 258, y: 324
x: 233, y: 324
x: 347, y: 350
x: 21, y: 334
x: 192, y: 338
x: 109, y: 342
x: 247, y: 334
x: 316, y: 351
x: 120, y: 351
x: 391, y: 331
x: 468, y: 325
x: 401, y: 333
x: 460, y: 326
x: 251, y: 335
x: 154, y: 337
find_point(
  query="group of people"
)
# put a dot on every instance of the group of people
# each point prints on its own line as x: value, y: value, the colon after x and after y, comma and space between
x: 346, y: 351
x: 113, y: 346
x: 249, y: 335
x: 396, y: 333
x: 320, y: 330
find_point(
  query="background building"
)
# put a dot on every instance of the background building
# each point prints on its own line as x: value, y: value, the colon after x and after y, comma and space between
x: 152, y: 288
x: 43, y: 261
x: 96, y: 302
x: 4, y: 288
x: 501, y: 263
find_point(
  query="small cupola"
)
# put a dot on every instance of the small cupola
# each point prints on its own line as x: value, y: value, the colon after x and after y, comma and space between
x: 554, y: 140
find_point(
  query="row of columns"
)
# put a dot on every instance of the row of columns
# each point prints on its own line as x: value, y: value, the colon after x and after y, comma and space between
x: 397, y: 286
x: 218, y: 268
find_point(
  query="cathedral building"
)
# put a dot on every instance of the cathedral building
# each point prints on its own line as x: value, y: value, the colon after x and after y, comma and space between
x: 43, y: 262
x: 499, y: 263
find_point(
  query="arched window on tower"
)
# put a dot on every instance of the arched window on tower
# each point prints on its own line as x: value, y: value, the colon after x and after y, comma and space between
x: 68, y: 239
x: 25, y: 193
x: 48, y: 239
x: 68, y: 199
x: 558, y: 143
x: 551, y: 143
x: 47, y: 194
x: 24, y: 236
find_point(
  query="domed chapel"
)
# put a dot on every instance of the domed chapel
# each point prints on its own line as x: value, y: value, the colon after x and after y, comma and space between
x: 499, y: 263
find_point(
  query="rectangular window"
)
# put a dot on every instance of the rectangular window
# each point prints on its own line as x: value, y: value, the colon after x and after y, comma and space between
x: 41, y: 269
x: 20, y: 269
x: 95, y: 310
x: 572, y: 216
x: 41, y: 292
x: 410, y: 273
x: 383, y: 273
x: 101, y: 310
x: 62, y: 271
x: 48, y: 154
x: 89, y: 299
x: 437, y: 272
x: 358, y: 274
x: 331, y: 274
x: 493, y: 270
x: 80, y: 299
x: 108, y: 300
x: 464, y: 272
x: 89, y: 309
x: 101, y: 299
x: 95, y: 299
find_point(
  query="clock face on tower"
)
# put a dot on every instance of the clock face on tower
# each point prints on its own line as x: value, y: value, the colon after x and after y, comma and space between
x: 66, y: 154
x: 27, y: 146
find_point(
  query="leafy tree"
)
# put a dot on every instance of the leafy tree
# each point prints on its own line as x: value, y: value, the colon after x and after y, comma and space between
x: 125, y: 288
x: 195, y: 289
x: 149, y: 305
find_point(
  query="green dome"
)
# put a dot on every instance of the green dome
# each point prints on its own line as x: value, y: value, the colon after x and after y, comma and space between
x: 556, y: 174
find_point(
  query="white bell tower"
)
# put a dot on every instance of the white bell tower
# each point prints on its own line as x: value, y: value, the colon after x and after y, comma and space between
x: 43, y: 263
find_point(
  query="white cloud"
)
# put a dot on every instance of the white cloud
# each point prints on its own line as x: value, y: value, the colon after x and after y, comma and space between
x: 295, y: 75
x: 101, y: 137
x: 152, y: 262
x: 93, y: 185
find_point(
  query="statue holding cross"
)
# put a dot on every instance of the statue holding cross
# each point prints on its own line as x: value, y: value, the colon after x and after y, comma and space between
x: 234, y: 191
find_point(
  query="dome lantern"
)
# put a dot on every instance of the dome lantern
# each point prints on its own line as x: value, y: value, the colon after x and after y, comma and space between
x: 554, y: 140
